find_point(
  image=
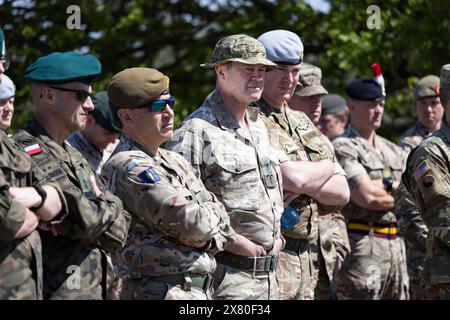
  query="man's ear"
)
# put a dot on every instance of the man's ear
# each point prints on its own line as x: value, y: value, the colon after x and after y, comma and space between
x: 220, y: 71
x: 48, y: 95
x: 125, y: 116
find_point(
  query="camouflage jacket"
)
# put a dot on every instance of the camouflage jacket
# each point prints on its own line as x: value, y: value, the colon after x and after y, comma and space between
x: 357, y: 156
x: 92, y: 223
x: 427, y: 179
x: 20, y: 259
x: 93, y: 155
x: 412, y: 137
x: 295, y: 134
x: 242, y: 171
x: 172, y: 212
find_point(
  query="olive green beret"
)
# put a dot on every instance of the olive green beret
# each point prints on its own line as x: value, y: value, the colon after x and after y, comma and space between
x: 2, y: 43
x: 134, y: 87
x: 332, y: 104
x: 64, y: 67
x: 309, y: 81
x: 103, y: 113
x: 445, y: 77
x: 428, y: 86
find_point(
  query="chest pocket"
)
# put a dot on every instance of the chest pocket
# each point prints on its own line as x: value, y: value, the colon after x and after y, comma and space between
x: 236, y: 181
x: 315, y: 146
x: 374, y: 166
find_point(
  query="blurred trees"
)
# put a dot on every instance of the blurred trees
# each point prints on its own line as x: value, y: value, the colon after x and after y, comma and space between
x: 175, y: 36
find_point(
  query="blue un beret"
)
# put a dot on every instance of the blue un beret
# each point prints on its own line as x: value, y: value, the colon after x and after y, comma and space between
x: 364, y: 89
x: 282, y: 47
x: 7, y: 87
x: 2, y: 43
x: 64, y: 67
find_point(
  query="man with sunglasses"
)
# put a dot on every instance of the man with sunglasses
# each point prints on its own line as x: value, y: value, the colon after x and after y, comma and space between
x: 99, y: 133
x: 177, y: 224
x: 75, y: 246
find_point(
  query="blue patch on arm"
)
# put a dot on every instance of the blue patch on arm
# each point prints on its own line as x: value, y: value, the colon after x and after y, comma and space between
x: 149, y: 176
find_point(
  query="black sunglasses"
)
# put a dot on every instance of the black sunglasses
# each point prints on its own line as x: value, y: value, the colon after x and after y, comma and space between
x: 82, y: 95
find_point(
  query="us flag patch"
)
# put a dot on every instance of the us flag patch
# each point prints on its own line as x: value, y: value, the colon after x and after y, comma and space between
x: 421, y: 169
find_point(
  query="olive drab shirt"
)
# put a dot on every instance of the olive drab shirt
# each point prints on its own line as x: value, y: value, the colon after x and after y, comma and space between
x: 240, y: 168
x: 295, y: 134
x: 94, y: 222
x: 427, y: 178
x: 357, y: 156
x: 172, y: 212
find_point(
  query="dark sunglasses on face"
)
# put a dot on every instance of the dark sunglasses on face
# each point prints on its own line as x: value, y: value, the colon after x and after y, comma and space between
x: 82, y: 95
x: 160, y: 105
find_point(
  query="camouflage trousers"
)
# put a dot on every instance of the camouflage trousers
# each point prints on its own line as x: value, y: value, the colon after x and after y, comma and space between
x: 296, y: 275
x: 416, y: 260
x: 374, y: 270
x: 150, y: 289
x: 21, y: 269
x: 234, y: 284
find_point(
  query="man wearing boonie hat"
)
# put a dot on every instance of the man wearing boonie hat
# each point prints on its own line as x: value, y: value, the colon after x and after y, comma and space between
x: 376, y: 267
x: 7, y: 93
x: 76, y: 242
x: 309, y: 92
x: 177, y: 224
x: 99, y: 133
x: 288, y: 131
x: 26, y: 199
x: 334, y: 117
x: 429, y: 118
x: 427, y: 179
x: 227, y: 144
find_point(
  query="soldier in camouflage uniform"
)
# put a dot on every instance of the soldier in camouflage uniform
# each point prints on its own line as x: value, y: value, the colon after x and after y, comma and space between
x: 227, y: 144
x: 24, y: 201
x: 99, y: 133
x: 7, y: 92
x: 296, y: 135
x: 427, y: 179
x: 413, y: 228
x: 376, y: 266
x: 177, y: 224
x: 331, y: 245
x: 75, y: 251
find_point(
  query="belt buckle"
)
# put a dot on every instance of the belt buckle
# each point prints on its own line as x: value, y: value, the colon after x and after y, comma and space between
x: 208, y: 283
x: 273, y: 263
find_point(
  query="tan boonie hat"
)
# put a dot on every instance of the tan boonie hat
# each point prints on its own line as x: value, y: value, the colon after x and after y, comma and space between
x: 239, y: 48
x: 445, y: 77
x: 134, y: 87
x: 427, y: 86
x: 309, y: 83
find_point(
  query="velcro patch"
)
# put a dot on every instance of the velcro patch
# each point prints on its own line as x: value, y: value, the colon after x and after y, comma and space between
x: 421, y: 169
x: 33, y: 149
x: 149, y: 176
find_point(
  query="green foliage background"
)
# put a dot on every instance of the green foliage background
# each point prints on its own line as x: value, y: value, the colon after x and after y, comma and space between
x: 176, y: 36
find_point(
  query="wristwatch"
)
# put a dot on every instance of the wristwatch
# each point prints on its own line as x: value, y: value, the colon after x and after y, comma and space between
x: 43, y: 195
x: 387, y: 183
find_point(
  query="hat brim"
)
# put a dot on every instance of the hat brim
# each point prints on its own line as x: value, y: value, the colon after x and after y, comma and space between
x: 311, y: 91
x: 253, y: 60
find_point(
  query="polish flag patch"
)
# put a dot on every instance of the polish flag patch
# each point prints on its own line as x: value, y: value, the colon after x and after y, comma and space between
x: 33, y: 149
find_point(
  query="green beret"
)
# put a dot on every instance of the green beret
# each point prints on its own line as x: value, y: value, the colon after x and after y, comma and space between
x: 2, y: 43
x: 240, y: 48
x: 445, y: 77
x: 64, y: 67
x: 332, y: 104
x: 428, y: 86
x: 103, y: 113
x: 134, y: 87
x: 309, y: 81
